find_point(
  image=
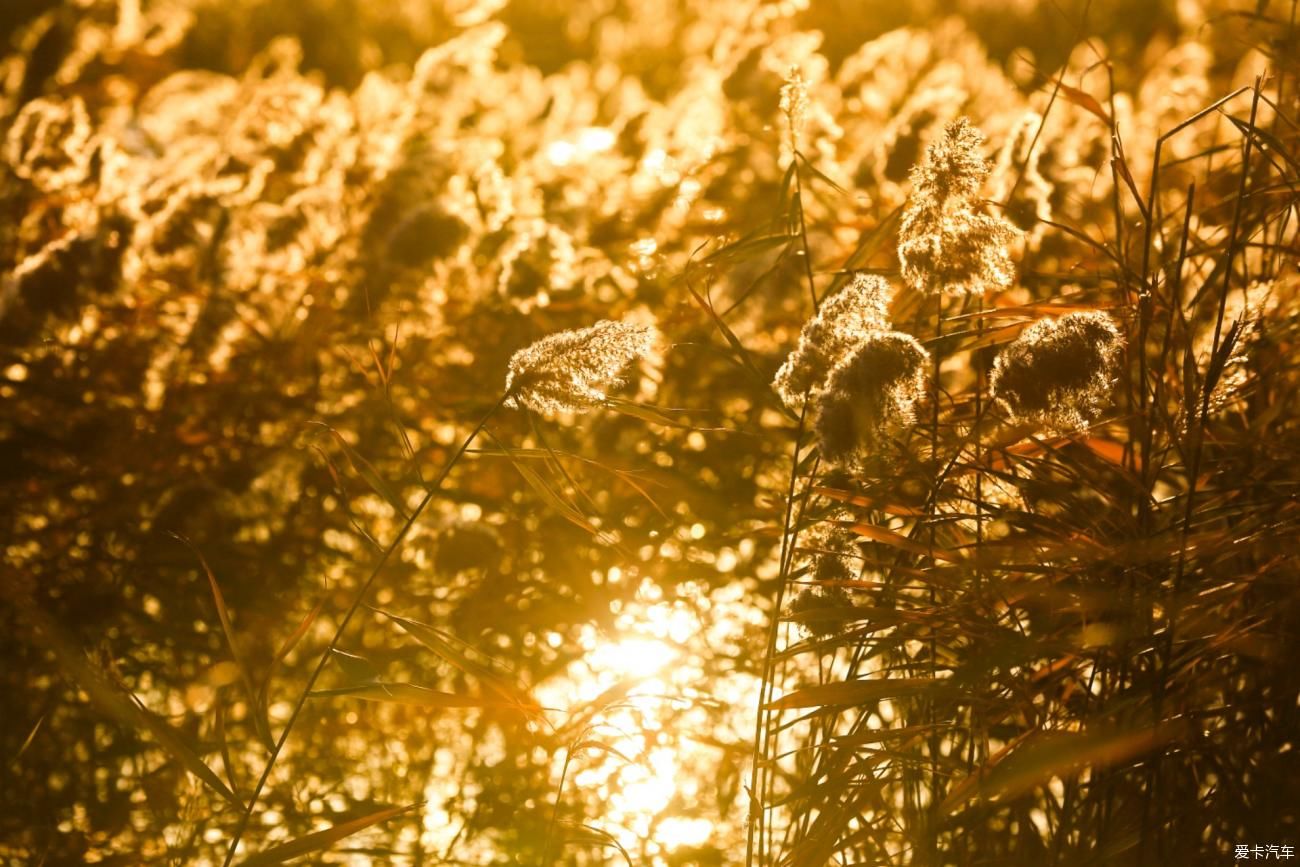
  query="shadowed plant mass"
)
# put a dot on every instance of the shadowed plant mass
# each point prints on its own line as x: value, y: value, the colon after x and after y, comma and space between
x: 778, y: 434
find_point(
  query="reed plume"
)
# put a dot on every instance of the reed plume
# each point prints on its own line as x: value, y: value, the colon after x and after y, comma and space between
x: 845, y: 321
x: 574, y: 371
x: 873, y: 391
x: 1059, y: 372
x: 945, y: 245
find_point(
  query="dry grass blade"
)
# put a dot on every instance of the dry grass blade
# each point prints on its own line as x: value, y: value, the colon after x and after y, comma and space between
x: 851, y: 499
x: 1087, y: 102
x: 1039, y: 758
x: 413, y: 695
x: 600, y: 747
x: 626, y: 476
x: 880, y: 736
x: 583, y: 834
x: 366, y: 470
x: 650, y: 414
x: 27, y: 741
x: 743, y: 356
x: 747, y: 248
x: 321, y: 841
x: 854, y: 692
x: 263, y: 694
x: 555, y: 499
x: 897, y: 540
x: 453, y: 652
x: 125, y: 707
x: 581, y: 717
x: 260, y: 721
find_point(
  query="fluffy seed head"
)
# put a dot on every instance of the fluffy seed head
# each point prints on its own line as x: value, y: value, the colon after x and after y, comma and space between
x: 953, y: 167
x: 956, y: 253
x: 1058, y: 373
x: 843, y: 322
x: 573, y: 371
x: 833, y: 554
x: 821, y: 611
x: 874, y: 390
x: 945, y: 245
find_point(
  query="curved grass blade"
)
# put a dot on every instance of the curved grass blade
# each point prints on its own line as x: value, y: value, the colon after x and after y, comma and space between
x: 452, y: 651
x: 413, y: 695
x: 1045, y: 755
x: 368, y: 472
x: 556, y: 500
x: 853, y: 692
x: 356, y: 669
x: 591, y: 835
x: 319, y: 841
x: 260, y: 721
x: 27, y: 742
x: 600, y: 747
x: 897, y: 540
x: 123, y: 706
x: 263, y: 694
x: 582, y: 715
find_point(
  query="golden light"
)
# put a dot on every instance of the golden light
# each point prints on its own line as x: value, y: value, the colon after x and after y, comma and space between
x: 636, y: 759
x: 586, y: 144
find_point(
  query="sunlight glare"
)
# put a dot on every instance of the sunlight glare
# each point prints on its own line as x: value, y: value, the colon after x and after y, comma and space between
x: 644, y: 773
x: 633, y: 657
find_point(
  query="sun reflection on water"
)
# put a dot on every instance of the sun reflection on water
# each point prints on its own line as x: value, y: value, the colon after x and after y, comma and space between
x: 661, y: 790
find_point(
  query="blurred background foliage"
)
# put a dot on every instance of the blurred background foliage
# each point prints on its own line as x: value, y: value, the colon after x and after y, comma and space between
x: 264, y: 264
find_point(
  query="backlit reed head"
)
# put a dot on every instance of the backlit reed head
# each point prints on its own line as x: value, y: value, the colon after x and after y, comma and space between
x: 873, y: 391
x: 573, y: 371
x: 945, y: 245
x: 1058, y: 373
x: 843, y: 322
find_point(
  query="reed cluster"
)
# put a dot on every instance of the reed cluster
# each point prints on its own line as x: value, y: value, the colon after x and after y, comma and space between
x: 768, y: 433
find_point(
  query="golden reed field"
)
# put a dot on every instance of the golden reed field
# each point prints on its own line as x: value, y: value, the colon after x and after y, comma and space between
x: 733, y: 433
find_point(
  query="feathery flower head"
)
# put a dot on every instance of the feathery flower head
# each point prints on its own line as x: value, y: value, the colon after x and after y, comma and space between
x: 833, y: 553
x: 821, y: 611
x: 956, y: 253
x: 794, y: 104
x: 873, y: 390
x: 842, y: 323
x: 1245, y: 316
x: 945, y: 245
x: 1059, y: 372
x: 573, y: 371
x: 953, y: 167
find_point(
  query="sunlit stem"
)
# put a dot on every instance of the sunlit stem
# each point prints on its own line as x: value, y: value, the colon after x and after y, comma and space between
x: 555, y: 811
x: 803, y: 232
x: 765, y: 687
x: 1164, y: 653
x: 361, y: 594
x: 930, y: 821
x: 789, y: 528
